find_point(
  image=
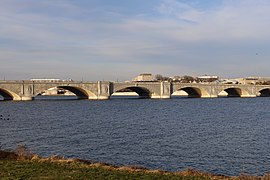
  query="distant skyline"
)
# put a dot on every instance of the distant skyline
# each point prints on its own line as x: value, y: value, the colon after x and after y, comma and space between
x: 119, y: 39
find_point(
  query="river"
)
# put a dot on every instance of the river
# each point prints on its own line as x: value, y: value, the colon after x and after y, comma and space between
x: 220, y: 135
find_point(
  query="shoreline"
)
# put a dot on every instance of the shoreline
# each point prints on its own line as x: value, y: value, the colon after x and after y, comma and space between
x: 22, y: 155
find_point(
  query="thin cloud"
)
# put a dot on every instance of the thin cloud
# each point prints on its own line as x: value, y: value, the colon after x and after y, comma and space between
x: 179, y: 10
x: 171, y: 36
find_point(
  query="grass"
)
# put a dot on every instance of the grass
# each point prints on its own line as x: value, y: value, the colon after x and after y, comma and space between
x: 25, y: 169
x: 22, y: 164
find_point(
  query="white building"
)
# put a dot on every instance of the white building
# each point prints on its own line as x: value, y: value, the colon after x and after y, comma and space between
x: 144, y: 77
x: 207, y: 78
x: 254, y: 80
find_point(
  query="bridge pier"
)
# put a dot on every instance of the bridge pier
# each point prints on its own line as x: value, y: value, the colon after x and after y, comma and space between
x: 103, y: 91
x: 160, y: 97
x: 165, y: 91
x: 103, y: 97
x: 27, y: 92
x: 209, y: 96
x: 248, y: 95
x: 26, y: 98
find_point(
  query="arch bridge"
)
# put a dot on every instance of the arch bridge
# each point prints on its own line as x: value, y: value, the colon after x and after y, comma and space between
x: 220, y: 90
x: 28, y: 90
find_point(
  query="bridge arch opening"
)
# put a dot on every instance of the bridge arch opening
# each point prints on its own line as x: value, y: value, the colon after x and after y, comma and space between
x: 233, y: 92
x: 140, y: 91
x: 68, y: 92
x: 80, y: 93
x: 8, y: 95
x: 192, y: 92
x: 5, y: 95
x: 179, y: 93
x: 264, y: 92
x: 223, y: 94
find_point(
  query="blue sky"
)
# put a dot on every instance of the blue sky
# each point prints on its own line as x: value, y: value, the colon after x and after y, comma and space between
x: 118, y: 39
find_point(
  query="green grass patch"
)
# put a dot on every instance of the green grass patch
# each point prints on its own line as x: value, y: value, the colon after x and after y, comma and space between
x: 21, y: 164
x: 36, y: 170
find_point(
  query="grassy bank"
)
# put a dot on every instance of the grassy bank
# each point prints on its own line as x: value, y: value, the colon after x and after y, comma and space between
x: 12, y: 169
x: 21, y: 164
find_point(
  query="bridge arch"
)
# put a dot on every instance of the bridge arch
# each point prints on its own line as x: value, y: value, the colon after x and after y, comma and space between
x: 141, y: 91
x: 79, y: 92
x: 264, y: 92
x: 9, y: 95
x: 233, y: 92
x: 194, y: 92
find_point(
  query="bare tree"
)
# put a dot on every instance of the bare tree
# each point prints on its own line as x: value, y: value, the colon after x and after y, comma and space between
x: 159, y: 77
x: 188, y: 79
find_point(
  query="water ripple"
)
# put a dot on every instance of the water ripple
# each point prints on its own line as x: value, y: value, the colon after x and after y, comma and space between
x: 225, y: 136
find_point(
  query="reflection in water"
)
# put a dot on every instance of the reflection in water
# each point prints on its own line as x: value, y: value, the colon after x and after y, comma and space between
x: 59, y: 97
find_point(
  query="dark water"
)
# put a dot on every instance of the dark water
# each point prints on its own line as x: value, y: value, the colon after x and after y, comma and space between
x: 222, y: 135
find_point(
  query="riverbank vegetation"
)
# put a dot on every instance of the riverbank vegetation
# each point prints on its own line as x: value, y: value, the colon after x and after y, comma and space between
x: 22, y: 164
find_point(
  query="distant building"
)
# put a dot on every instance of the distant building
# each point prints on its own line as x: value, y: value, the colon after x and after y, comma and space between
x: 144, y: 77
x: 255, y: 80
x: 229, y: 81
x: 207, y: 78
x: 248, y: 80
x: 175, y: 78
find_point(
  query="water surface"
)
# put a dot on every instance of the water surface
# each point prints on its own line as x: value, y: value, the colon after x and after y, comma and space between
x: 220, y: 135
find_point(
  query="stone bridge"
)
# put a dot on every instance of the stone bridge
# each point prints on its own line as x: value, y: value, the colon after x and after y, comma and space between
x: 28, y: 90
x: 215, y: 90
